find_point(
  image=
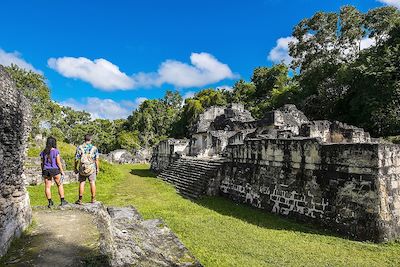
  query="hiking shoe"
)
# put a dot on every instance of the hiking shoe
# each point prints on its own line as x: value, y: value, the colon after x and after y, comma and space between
x: 51, y: 203
x: 64, y: 202
x: 78, y: 202
x: 93, y: 200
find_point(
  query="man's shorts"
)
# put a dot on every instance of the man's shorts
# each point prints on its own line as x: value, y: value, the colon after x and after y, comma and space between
x: 50, y: 173
x: 91, y: 178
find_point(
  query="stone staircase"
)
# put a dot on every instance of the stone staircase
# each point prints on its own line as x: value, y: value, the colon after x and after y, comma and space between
x: 191, y: 176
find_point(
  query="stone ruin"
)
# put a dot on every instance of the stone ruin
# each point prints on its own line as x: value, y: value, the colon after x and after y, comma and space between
x: 125, y: 237
x: 123, y: 156
x: 15, y: 211
x: 323, y: 172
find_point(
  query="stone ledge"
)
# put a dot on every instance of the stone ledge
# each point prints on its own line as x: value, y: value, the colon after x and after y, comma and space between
x: 129, y: 240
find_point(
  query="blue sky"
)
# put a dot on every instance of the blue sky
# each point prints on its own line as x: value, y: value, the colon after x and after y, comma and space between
x: 107, y: 56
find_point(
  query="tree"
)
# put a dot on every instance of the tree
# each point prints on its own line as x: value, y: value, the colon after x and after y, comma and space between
x: 35, y: 89
x: 155, y: 118
x: 328, y: 51
x: 128, y: 140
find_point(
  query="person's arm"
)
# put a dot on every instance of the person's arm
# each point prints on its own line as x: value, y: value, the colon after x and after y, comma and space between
x: 59, y: 164
x: 97, y: 161
x: 77, y: 158
x: 97, y: 165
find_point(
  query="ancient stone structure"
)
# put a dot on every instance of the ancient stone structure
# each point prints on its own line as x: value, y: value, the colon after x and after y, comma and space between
x: 324, y: 172
x: 15, y: 211
x: 123, y: 156
x: 129, y: 240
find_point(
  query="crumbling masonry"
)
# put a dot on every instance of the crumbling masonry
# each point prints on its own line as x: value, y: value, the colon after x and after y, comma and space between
x: 15, y: 211
x: 323, y: 172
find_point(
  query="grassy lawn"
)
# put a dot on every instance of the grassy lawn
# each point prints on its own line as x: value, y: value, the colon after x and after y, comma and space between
x: 222, y: 233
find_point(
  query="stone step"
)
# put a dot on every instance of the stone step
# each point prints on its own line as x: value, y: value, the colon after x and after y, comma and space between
x: 190, y: 176
x: 196, y: 184
x: 180, y: 164
x: 200, y: 161
x: 206, y: 165
x: 187, y: 173
x: 188, y: 195
x: 187, y: 187
x: 188, y: 181
x: 188, y: 190
x: 194, y: 170
x: 199, y: 184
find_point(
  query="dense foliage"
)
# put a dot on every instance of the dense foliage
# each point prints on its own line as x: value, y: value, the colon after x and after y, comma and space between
x: 64, y: 123
x: 345, y: 67
x: 338, y: 79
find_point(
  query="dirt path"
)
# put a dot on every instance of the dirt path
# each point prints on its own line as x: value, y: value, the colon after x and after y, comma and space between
x: 57, y: 238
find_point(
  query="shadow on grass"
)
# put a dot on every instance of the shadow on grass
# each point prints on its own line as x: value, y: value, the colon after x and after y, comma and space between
x: 227, y: 207
x: 143, y: 173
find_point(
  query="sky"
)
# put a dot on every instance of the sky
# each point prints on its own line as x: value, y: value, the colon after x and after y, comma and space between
x: 106, y: 57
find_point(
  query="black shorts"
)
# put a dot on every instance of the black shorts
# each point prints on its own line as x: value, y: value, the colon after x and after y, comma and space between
x: 49, y: 173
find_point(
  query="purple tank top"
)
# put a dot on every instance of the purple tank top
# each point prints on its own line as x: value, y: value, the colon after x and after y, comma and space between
x: 52, y: 163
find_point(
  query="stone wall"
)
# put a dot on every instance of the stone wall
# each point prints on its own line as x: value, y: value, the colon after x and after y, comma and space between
x: 324, y: 172
x: 350, y: 188
x: 15, y: 212
x: 166, y: 152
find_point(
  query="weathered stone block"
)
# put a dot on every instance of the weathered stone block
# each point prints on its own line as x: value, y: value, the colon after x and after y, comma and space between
x: 15, y: 212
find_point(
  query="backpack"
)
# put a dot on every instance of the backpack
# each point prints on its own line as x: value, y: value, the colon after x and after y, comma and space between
x: 87, y: 167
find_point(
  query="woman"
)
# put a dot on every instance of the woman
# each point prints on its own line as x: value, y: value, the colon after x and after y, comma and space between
x: 52, y: 169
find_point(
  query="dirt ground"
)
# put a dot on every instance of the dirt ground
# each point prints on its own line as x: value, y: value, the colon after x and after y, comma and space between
x: 57, y: 238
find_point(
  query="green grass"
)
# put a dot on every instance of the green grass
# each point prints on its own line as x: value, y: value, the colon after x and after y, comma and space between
x: 222, y: 233
x: 109, y: 175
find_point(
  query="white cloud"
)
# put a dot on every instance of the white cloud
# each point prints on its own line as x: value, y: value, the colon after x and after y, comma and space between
x: 280, y: 53
x: 188, y: 94
x: 100, y: 73
x: 225, y: 87
x: 133, y: 104
x: 104, y: 108
x: 8, y: 58
x: 366, y: 43
x: 395, y: 3
x: 204, y: 69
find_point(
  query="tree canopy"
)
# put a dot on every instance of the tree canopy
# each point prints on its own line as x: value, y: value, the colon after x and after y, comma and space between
x: 345, y: 67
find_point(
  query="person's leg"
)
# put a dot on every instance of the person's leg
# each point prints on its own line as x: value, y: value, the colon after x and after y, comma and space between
x: 81, y: 189
x: 47, y: 187
x: 92, y: 181
x: 93, y: 190
x: 57, y: 180
x: 47, y: 190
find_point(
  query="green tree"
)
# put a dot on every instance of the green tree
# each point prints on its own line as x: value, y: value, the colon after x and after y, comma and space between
x: 155, y: 118
x: 35, y: 89
x: 328, y: 50
x: 128, y: 140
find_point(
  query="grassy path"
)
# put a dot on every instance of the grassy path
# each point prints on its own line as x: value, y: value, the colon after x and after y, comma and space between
x: 222, y: 233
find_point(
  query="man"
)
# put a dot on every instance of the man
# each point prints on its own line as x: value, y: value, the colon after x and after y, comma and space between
x: 87, y: 158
